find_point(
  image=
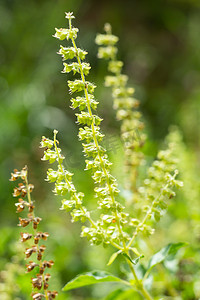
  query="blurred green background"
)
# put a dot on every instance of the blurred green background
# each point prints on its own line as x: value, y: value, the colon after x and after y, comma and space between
x: 160, y: 46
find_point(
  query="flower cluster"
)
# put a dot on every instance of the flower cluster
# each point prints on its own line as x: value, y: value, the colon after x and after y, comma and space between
x: 63, y: 181
x: 100, y: 231
x: 40, y: 282
x: 113, y: 225
x: 126, y: 106
x: 151, y: 201
x: 109, y: 226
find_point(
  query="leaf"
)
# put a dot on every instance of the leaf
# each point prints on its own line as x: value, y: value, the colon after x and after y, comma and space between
x: 133, y: 261
x: 136, y: 260
x: 90, y: 278
x: 135, y: 251
x: 170, y: 249
x: 121, y: 294
x: 113, y: 257
x: 114, y: 294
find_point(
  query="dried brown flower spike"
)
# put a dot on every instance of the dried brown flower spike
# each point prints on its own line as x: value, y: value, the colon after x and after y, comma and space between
x: 41, y: 281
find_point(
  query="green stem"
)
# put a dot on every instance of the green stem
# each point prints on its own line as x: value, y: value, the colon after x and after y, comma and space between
x: 139, y: 283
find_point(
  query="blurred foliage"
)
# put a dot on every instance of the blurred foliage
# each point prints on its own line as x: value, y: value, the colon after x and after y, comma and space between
x: 160, y: 46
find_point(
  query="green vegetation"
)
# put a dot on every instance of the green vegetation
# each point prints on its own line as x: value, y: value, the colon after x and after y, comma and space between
x: 143, y: 241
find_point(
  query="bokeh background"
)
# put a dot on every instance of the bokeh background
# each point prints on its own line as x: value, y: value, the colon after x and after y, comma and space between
x: 160, y: 47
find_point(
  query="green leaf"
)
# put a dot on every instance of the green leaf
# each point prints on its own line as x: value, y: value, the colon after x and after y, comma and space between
x: 160, y: 256
x: 121, y: 294
x: 135, y: 251
x: 113, y: 257
x: 133, y: 261
x: 91, y: 278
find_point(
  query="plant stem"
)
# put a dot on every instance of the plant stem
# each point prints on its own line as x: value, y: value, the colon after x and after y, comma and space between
x: 139, y: 283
